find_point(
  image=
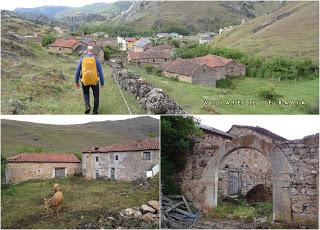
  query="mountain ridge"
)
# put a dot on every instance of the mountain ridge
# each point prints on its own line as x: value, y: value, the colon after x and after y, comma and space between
x: 17, y: 135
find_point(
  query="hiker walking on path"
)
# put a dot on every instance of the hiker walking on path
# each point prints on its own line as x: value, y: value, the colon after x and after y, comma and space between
x: 90, y: 73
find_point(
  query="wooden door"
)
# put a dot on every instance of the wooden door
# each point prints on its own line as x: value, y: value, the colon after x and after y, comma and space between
x: 113, y: 173
x: 233, y: 183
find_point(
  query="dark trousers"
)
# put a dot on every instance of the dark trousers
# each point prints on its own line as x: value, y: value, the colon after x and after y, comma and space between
x: 86, y: 96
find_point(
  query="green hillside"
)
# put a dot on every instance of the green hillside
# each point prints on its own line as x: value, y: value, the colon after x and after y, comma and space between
x: 192, y: 15
x: 291, y: 31
x: 18, y: 136
x: 36, y: 80
x: 96, y: 8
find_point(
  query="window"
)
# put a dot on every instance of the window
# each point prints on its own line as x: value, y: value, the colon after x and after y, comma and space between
x: 153, y: 60
x: 116, y: 157
x: 97, y: 158
x: 60, y: 172
x: 147, y: 156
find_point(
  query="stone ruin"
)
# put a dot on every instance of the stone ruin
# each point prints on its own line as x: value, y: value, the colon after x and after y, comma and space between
x: 294, y: 166
x: 152, y: 99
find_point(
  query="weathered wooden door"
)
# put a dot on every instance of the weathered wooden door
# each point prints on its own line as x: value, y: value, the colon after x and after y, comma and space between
x: 60, y: 172
x: 233, y: 183
x: 113, y: 173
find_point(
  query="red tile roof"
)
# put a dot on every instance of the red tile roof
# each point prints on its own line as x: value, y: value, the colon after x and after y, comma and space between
x: 44, y: 158
x: 181, y: 66
x: 163, y: 54
x: 131, y: 146
x: 212, y: 61
x: 130, y: 39
x: 65, y: 43
x: 160, y: 47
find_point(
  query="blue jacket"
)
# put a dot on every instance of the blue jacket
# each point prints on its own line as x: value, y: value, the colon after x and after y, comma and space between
x: 100, y: 72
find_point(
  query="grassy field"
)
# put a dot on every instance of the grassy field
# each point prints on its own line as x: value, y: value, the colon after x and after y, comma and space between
x: 85, y: 202
x: 196, y: 99
x: 44, y: 84
x: 296, y: 35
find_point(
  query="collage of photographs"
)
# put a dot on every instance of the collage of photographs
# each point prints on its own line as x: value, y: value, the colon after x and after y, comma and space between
x: 158, y: 114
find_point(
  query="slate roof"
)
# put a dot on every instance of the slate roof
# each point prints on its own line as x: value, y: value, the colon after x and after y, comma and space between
x: 260, y: 130
x: 64, y: 43
x: 212, y: 61
x: 130, y: 146
x: 164, y: 54
x: 44, y: 158
x: 142, y: 42
x: 181, y: 66
x: 216, y: 131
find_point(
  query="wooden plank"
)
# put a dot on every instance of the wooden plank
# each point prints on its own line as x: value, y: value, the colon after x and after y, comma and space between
x: 186, y: 202
x: 173, y: 207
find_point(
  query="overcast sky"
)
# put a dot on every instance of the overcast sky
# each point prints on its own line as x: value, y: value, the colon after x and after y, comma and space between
x: 12, y: 4
x: 288, y: 126
x: 68, y: 119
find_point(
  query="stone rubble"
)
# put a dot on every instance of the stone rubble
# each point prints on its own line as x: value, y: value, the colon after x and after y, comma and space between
x: 152, y: 99
x: 146, y: 212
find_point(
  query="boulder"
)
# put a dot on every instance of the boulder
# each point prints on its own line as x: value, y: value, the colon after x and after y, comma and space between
x: 148, y: 217
x: 131, y: 212
x: 154, y: 204
x: 146, y: 208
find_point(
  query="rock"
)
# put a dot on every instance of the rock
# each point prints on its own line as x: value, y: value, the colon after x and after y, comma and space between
x: 260, y: 220
x: 145, y: 209
x: 131, y: 212
x: 154, y: 204
x: 297, y: 208
x: 148, y: 217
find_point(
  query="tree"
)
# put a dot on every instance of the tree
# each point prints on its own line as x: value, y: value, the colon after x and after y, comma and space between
x: 48, y: 39
x: 176, y: 142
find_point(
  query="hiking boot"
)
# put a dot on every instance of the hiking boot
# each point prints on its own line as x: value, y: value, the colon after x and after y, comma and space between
x: 87, y: 111
x: 95, y: 113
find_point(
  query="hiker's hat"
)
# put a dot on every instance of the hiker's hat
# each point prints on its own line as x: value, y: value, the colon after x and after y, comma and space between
x: 90, y: 48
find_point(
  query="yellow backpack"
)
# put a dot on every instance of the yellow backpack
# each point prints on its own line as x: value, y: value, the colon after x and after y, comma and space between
x: 89, y: 71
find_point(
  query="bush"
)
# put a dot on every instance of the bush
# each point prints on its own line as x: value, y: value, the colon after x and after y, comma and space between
x: 225, y: 83
x: 150, y: 69
x: 48, y: 39
x: 28, y: 149
x: 269, y: 94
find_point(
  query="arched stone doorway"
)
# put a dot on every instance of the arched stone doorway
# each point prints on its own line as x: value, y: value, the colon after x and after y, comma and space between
x: 280, y: 174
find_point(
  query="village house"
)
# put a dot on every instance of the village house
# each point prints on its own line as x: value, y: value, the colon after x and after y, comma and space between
x: 150, y: 57
x: 65, y: 45
x: 124, y: 161
x: 141, y: 45
x: 126, y: 44
x: 188, y: 71
x: 225, y: 29
x: 97, y: 51
x: 204, y: 70
x: 35, y: 166
x: 205, y: 38
x: 160, y: 47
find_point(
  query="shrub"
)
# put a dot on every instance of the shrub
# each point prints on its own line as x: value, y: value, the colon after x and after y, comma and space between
x: 313, y: 108
x: 47, y: 40
x: 225, y: 83
x: 269, y: 94
x: 149, y: 68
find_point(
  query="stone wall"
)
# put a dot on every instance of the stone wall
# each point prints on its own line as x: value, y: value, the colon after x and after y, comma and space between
x: 129, y: 166
x: 189, y: 179
x: 303, y: 189
x: 252, y: 167
x: 256, y: 168
x: 152, y: 99
x: 18, y: 172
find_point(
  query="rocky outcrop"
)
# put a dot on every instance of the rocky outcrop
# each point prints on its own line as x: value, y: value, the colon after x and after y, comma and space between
x: 152, y: 99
